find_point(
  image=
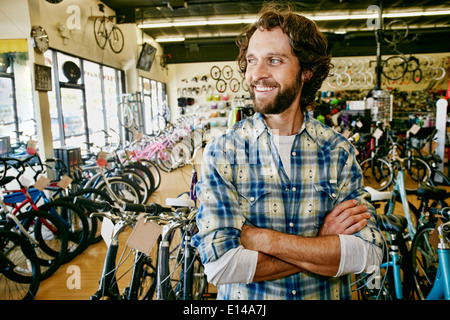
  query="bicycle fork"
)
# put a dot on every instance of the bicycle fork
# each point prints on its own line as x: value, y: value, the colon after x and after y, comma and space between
x: 441, y: 286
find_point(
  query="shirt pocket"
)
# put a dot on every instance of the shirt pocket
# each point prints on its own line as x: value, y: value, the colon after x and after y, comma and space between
x: 327, y: 194
x: 254, y: 203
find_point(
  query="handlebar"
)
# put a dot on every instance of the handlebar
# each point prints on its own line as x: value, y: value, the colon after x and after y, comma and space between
x: 92, y: 204
x: 153, y: 208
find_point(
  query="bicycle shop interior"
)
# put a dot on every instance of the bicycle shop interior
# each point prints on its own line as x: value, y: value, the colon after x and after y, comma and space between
x: 67, y: 87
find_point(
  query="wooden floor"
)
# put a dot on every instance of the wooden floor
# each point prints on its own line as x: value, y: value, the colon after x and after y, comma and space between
x: 78, y: 279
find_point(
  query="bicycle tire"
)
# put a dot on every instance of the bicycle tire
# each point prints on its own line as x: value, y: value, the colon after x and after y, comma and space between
x: 51, y: 249
x: 417, y: 173
x: 221, y: 85
x: 395, y: 67
x: 77, y: 225
x: 139, y: 180
x: 163, y: 159
x: 122, y: 188
x: 215, y: 72
x: 126, y: 116
x: 144, y: 280
x: 153, y: 168
x: 116, y: 39
x: 424, y: 260
x: 145, y: 172
x: 100, y: 33
x: 377, y: 173
x: 94, y: 194
x: 21, y: 280
x: 227, y: 72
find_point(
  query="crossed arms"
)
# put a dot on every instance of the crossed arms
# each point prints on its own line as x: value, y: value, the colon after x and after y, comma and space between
x: 281, y: 254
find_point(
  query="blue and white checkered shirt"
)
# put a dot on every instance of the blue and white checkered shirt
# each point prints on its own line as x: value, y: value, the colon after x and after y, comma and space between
x: 243, y: 181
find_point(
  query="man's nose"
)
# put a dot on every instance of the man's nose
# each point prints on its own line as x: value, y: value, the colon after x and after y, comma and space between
x: 259, y: 71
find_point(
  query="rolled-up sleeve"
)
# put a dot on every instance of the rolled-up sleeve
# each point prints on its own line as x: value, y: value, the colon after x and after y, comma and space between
x: 219, y: 217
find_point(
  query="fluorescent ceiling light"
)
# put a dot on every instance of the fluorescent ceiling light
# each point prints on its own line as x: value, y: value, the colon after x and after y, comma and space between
x: 328, y: 17
x: 170, y: 39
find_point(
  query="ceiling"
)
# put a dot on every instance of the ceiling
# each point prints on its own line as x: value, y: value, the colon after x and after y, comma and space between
x: 347, y: 37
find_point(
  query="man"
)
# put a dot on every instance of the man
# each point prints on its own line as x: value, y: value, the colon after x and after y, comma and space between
x: 282, y: 210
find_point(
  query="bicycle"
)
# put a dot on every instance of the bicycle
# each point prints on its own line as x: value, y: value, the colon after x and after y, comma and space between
x: 106, y: 30
x: 128, y: 109
x: 431, y: 257
x: 47, y: 232
x: 143, y: 270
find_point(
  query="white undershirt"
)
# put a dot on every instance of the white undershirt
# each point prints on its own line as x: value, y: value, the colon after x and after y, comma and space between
x: 238, y: 265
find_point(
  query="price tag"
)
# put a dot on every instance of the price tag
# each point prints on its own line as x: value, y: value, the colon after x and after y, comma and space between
x: 31, y: 147
x: 41, y: 183
x: 64, y: 182
x: 378, y: 133
x: 144, y: 235
x: 414, y: 129
x: 101, y: 158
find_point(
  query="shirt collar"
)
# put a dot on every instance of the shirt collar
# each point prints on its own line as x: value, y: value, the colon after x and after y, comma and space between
x: 308, y: 126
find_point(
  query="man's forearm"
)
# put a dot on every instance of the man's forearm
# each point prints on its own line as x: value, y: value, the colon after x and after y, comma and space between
x: 269, y: 268
x: 320, y: 255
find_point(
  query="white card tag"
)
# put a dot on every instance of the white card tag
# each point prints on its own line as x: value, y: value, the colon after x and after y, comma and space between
x: 107, y: 230
x: 144, y: 235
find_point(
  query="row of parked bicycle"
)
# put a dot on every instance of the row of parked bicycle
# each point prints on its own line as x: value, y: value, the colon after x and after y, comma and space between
x: 401, y: 172
x: 45, y: 223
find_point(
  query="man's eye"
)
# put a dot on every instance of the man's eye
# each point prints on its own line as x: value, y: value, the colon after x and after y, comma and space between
x: 275, y: 61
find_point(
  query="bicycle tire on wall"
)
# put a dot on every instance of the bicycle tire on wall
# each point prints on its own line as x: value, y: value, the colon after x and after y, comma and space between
x: 100, y: 32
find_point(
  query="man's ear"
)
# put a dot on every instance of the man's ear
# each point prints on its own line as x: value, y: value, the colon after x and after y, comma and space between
x: 307, y: 75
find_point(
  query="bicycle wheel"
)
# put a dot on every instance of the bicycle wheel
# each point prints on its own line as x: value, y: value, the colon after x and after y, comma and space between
x: 51, y: 236
x: 126, y: 116
x: 76, y: 223
x: 144, y: 280
x: 156, y: 174
x: 377, y: 173
x: 164, y: 160
x: 100, y: 33
x: 145, y: 172
x: 19, y: 268
x: 417, y: 173
x: 96, y: 222
x: 122, y: 189
x: 116, y: 39
x: 425, y: 260
x: 140, y: 182
x: 395, y: 67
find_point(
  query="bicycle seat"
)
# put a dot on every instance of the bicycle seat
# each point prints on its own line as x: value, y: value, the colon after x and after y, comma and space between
x: 392, y: 223
x: 432, y: 193
x: 181, y: 201
x: 376, y: 195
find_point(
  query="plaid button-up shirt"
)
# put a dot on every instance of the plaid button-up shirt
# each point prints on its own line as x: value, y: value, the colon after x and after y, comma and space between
x: 243, y: 181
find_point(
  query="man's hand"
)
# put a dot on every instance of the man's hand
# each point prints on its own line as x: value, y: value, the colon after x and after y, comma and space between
x: 346, y: 218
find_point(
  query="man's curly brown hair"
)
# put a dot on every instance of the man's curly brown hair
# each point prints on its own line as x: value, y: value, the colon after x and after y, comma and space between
x: 308, y: 43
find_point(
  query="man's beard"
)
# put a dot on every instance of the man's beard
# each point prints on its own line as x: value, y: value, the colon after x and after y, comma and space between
x: 282, y: 100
